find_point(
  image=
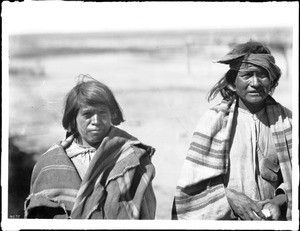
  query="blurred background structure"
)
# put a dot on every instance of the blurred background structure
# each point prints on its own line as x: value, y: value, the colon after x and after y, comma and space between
x: 160, y: 78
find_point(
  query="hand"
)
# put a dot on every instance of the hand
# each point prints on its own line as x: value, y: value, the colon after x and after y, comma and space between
x: 243, y: 206
x: 67, y: 141
x: 277, y: 207
x: 274, y: 210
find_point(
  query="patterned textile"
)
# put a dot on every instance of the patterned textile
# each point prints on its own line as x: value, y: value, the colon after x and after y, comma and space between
x: 200, y: 192
x: 117, y: 184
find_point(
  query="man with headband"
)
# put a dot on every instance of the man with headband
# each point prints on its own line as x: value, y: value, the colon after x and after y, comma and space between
x: 238, y: 165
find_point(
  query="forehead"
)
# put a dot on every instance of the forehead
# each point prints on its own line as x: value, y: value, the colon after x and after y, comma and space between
x: 97, y: 107
x: 249, y: 67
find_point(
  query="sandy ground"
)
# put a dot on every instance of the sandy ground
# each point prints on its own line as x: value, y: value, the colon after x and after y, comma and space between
x: 162, y: 98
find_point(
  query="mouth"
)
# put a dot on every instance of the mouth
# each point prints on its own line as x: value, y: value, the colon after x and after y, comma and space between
x: 256, y: 92
x: 95, y: 130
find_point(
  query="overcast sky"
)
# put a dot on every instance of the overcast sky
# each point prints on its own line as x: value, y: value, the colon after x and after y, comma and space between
x: 60, y: 16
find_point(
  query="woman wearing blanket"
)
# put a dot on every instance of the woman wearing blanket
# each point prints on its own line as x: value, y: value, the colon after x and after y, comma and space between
x: 99, y: 171
x: 238, y: 165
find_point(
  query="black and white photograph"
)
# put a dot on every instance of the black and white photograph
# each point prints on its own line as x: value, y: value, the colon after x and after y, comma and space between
x: 150, y: 115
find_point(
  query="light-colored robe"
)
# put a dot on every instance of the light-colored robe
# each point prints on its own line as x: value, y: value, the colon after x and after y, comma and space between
x: 200, y: 192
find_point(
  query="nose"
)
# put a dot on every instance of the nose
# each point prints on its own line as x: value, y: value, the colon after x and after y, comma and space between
x: 254, y: 80
x: 95, y: 119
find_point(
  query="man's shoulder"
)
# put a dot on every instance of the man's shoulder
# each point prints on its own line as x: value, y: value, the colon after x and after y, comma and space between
x: 287, y: 111
x: 224, y: 107
x: 271, y: 102
x: 219, y: 110
x: 281, y: 109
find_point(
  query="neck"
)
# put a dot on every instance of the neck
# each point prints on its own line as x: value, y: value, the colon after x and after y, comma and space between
x: 252, y: 108
x: 86, y: 144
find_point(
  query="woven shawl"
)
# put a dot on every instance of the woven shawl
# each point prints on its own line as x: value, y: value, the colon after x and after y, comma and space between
x: 200, y: 192
x: 117, y: 184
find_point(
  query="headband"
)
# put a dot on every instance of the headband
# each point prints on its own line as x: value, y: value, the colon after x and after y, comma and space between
x: 265, y: 61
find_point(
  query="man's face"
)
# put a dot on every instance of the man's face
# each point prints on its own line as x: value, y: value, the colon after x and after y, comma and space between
x: 252, y: 85
x: 93, y: 124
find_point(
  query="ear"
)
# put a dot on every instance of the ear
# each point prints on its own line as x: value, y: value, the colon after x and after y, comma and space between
x: 231, y: 87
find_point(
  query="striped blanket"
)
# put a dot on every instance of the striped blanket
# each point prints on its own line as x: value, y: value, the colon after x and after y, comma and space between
x: 117, y: 185
x: 200, y: 192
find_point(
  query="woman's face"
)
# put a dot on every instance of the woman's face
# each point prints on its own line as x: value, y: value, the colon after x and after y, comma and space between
x: 93, y: 124
x: 252, y: 85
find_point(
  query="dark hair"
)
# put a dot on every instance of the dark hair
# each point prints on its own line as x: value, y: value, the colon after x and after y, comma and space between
x: 89, y: 91
x: 223, y: 85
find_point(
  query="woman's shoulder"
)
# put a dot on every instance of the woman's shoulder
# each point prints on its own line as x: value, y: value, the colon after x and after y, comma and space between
x: 143, y: 149
x: 54, y: 148
x: 137, y: 147
x: 54, y: 154
x: 136, y: 157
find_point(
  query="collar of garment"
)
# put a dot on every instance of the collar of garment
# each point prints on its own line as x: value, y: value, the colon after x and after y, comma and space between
x: 76, y: 149
x: 255, y: 116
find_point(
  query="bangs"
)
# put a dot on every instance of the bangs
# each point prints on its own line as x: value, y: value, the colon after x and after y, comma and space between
x: 89, y: 93
x: 92, y: 96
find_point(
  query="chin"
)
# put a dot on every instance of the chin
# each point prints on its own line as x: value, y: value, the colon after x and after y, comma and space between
x: 256, y: 100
